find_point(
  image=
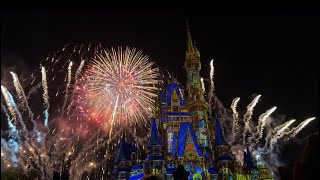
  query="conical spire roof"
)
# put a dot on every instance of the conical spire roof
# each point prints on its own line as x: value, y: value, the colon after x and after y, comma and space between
x: 190, y: 47
x: 162, y: 96
x: 248, y: 160
x: 155, y: 138
x: 122, y: 151
x: 220, y: 140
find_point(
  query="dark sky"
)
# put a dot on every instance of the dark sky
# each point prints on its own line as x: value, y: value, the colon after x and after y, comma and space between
x: 271, y: 53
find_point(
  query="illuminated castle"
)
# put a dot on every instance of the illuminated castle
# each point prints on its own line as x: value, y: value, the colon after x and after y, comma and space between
x: 182, y: 134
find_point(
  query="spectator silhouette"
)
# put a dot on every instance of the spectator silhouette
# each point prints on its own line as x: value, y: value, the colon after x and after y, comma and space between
x: 181, y: 173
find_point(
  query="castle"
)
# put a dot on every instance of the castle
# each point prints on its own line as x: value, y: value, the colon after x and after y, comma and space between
x: 182, y: 135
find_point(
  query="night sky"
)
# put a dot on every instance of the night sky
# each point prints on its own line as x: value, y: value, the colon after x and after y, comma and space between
x: 271, y: 53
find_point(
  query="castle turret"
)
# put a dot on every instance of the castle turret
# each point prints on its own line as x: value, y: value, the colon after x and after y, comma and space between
x: 122, y: 162
x: 122, y: 154
x: 249, y: 166
x: 248, y: 161
x: 223, y: 158
x: 219, y: 139
x: 155, y: 139
x: 126, y: 164
x: 154, y: 164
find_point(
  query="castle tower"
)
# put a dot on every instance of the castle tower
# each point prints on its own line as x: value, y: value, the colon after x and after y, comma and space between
x: 223, y: 157
x: 127, y: 165
x: 122, y: 161
x: 154, y: 164
x: 195, y: 100
x: 249, y: 166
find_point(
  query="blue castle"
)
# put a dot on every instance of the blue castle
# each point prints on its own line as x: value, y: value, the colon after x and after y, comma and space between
x: 182, y: 134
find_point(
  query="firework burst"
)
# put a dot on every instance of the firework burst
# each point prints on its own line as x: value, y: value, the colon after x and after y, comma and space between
x: 119, y: 86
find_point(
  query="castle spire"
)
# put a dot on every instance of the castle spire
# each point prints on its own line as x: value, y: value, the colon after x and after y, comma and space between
x: 220, y: 140
x: 127, y: 165
x: 154, y: 138
x: 162, y: 97
x: 190, y: 48
x: 122, y: 153
x: 248, y: 160
x: 155, y: 162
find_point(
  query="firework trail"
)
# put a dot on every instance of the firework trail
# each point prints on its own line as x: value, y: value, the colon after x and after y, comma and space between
x: 15, y: 146
x: 23, y: 97
x: 202, y: 86
x: 79, y: 69
x: 75, y: 85
x: 7, y: 100
x: 284, y: 126
x: 268, y: 153
x: 248, y: 116
x: 67, y: 87
x: 10, y: 148
x: 297, y: 129
x: 12, y: 107
x: 13, y: 130
x: 211, y: 88
x: 262, y: 120
x: 287, y: 134
x: 235, y: 125
x: 28, y: 143
x: 17, y: 85
x: 261, y: 123
x: 45, y: 96
x: 113, y: 115
x: 276, y: 134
